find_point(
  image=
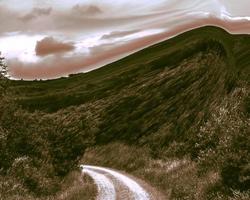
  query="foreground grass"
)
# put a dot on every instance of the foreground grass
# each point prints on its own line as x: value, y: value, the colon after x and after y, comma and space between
x: 175, y: 178
x: 75, y: 186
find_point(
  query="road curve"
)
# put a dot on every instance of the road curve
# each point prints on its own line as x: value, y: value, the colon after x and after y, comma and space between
x: 113, y: 185
x: 106, y: 190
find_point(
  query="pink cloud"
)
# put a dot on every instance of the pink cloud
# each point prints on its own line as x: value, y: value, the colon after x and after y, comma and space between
x: 49, y: 45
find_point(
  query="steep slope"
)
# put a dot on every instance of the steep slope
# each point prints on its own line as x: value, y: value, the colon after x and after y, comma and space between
x: 160, y: 99
x: 169, y: 86
x: 83, y: 87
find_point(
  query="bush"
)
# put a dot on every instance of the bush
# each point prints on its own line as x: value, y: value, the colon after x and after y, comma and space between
x: 235, y: 170
x: 34, y: 176
x: 118, y: 155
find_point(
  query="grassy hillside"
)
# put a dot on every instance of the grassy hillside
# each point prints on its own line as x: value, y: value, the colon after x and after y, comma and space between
x: 186, y: 98
x: 94, y: 85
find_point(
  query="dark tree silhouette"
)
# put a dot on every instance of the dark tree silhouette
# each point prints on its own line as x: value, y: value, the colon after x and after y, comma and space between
x: 3, y: 67
x: 3, y: 75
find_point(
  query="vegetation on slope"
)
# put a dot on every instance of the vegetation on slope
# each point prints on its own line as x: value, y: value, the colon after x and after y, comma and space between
x: 184, y: 99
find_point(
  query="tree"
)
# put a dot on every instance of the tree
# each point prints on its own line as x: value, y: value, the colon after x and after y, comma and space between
x: 3, y: 67
x: 3, y: 87
x: 3, y: 76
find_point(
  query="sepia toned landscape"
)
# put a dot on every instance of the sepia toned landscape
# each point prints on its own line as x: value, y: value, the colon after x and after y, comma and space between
x: 158, y: 116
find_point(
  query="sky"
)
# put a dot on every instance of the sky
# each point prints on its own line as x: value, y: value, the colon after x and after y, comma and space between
x: 46, y: 39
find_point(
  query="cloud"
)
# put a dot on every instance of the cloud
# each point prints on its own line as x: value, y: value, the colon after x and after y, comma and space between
x: 70, y: 21
x: 35, y: 13
x: 49, y: 45
x: 50, y: 67
x: 87, y: 10
x: 118, y: 34
x: 80, y: 18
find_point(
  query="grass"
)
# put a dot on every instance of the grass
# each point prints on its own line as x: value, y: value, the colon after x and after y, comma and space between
x: 74, y: 186
x: 77, y: 187
x: 175, y: 178
x: 81, y: 88
x: 184, y: 100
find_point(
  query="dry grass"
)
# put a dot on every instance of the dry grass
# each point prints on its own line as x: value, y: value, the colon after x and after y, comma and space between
x: 77, y: 187
x: 175, y: 178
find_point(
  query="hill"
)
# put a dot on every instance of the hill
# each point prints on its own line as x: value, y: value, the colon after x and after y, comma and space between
x: 177, y: 99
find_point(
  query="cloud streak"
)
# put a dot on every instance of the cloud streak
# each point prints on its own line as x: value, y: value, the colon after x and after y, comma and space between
x: 35, y: 13
x: 87, y: 10
x: 118, y: 34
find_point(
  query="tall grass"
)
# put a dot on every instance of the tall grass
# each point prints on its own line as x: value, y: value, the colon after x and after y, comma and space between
x: 175, y: 178
x: 77, y: 186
